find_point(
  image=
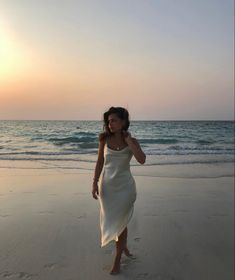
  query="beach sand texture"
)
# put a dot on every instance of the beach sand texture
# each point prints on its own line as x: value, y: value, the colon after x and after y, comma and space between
x: 182, y: 228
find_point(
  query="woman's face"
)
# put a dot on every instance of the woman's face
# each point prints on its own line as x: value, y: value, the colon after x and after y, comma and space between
x: 115, y: 123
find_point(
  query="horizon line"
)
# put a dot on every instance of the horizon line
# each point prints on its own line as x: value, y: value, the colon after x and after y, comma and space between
x: 130, y: 120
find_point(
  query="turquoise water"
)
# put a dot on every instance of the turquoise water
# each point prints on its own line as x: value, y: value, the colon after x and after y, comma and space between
x: 164, y: 142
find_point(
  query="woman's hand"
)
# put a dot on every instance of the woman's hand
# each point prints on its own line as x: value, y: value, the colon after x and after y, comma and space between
x: 135, y: 147
x: 127, y: 136
x: 95, y: 190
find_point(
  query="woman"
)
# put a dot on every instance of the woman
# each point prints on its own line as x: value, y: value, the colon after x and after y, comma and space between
x: 117, y: 189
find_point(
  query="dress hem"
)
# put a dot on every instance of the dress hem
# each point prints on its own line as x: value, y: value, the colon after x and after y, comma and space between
x: 119, y: 232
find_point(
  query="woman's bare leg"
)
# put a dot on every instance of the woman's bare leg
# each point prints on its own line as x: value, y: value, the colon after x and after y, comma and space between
x: 120, y: 245
x: 125, y: 250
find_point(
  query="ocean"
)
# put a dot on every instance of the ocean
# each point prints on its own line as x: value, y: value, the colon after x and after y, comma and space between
x: 70, y: 144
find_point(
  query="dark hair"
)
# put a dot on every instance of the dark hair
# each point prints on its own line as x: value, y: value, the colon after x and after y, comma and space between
x: 122, y: 113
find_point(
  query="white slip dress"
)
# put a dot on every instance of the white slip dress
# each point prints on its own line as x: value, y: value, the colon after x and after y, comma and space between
x: 117, y: 193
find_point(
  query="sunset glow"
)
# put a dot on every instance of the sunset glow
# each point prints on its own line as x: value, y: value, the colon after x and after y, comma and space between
x: 154, y: 57
x: 10, y: 56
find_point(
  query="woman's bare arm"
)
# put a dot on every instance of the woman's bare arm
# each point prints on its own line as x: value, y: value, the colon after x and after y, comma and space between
x: 136, y: 149
x: 100, y: 161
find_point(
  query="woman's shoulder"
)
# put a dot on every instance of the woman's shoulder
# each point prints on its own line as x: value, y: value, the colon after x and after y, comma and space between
x: 102, y: 137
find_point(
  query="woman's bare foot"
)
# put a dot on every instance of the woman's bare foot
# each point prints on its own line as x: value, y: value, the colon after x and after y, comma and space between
x: 127, y: 252
x: 115, y: 269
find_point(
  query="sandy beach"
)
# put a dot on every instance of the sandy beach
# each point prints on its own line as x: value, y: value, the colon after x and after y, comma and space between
x: 182, y: 228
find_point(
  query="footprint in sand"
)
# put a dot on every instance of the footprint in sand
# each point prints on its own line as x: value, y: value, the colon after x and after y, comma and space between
x: 25, y: 275
x: 54, y: 265
x: 6, y: 274
x: 4, y: 215
x: 50, y: 265
x: 20, y: 275
x: 81, y: 216
x: 137, y: 239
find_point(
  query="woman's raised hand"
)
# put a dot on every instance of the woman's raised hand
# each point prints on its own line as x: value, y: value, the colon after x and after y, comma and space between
x: 127, y: 136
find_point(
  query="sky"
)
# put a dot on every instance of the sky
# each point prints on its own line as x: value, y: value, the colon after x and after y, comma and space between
x: 73, y: 60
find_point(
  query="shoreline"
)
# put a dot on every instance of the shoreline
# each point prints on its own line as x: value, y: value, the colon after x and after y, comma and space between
x: 195, y: 170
